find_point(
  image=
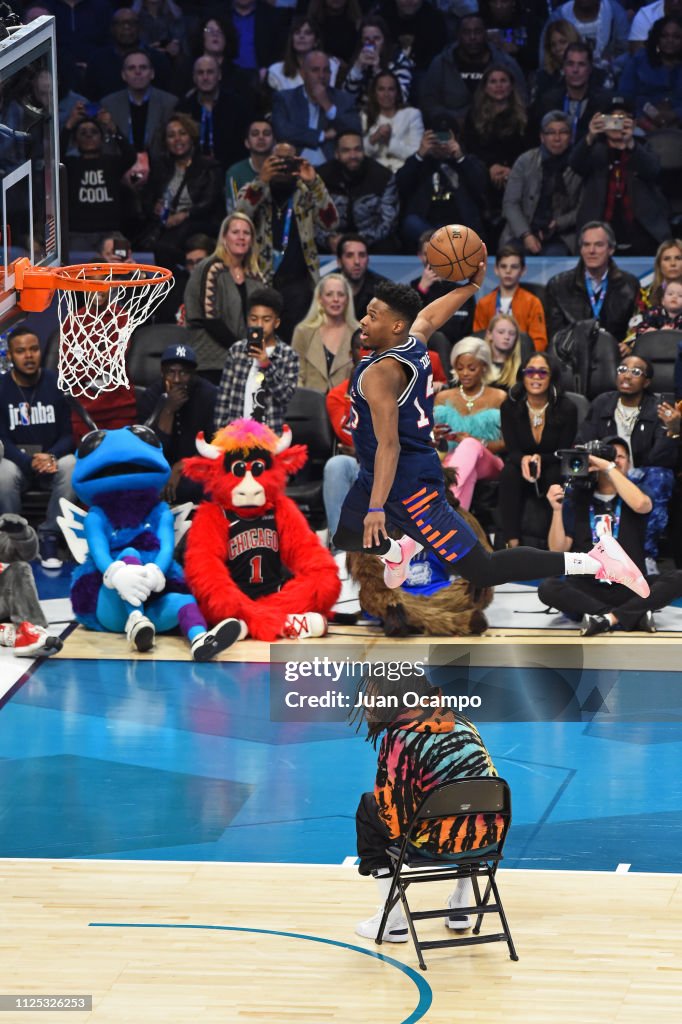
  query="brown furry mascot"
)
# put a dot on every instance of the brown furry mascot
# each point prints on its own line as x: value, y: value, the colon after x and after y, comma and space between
x: 454, y: 609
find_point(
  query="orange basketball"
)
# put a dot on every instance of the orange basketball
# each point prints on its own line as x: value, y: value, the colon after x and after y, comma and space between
x: 454, y: 252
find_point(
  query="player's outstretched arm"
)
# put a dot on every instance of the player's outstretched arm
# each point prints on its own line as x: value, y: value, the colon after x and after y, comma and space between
x: 438, y: 312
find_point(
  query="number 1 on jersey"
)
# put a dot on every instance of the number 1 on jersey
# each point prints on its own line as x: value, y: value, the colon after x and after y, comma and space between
x: 423, y: 420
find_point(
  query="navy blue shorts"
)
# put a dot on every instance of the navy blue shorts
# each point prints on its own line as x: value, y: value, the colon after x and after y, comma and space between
x: 425, y: 516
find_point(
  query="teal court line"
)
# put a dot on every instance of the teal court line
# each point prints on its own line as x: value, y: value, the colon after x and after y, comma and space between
x: 423, y: 987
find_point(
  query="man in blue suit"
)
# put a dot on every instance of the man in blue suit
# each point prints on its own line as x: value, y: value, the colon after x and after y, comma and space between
x: 313, y: 115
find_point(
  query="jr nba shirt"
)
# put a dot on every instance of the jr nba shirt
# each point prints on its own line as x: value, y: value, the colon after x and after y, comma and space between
x: 37, y: 417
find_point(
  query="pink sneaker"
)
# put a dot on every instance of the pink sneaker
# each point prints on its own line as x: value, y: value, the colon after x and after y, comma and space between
x: 617, y: 566
x: 395, y: 573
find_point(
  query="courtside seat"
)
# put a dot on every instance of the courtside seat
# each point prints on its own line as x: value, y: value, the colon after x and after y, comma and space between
x: 307, y: 417
x: 147, y: 346
x: 660, y: 348
x: 580, y: 402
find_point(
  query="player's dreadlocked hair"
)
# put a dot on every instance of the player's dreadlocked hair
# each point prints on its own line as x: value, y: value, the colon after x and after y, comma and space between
x: 378, y: 683
x: 400, y: 298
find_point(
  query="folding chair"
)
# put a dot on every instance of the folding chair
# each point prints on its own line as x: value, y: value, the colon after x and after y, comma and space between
x: 412, y: 864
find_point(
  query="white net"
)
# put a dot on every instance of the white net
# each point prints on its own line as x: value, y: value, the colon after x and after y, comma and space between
x: 96, y: 326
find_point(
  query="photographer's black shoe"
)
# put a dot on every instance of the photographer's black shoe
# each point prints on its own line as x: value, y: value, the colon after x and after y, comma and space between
x: 592, y: 625
x: 647, y: 624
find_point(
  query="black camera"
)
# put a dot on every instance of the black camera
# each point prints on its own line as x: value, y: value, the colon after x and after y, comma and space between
x: 575, y: 461
x: 290, y: 164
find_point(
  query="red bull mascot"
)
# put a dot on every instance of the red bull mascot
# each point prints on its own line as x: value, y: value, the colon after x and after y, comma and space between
x: 251, y: 555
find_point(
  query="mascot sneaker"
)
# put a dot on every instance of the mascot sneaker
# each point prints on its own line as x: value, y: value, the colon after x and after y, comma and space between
x: 28, y: 640
x: 216, y: 640
x: 395, y: 573
x: 140, y: 632
x: 617, y: 567
x: 303, y: 627
x: 395, y: 930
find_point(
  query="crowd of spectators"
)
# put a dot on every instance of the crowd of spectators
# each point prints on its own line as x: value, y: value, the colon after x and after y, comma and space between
x: 238, y: 142
x: 523, y: 118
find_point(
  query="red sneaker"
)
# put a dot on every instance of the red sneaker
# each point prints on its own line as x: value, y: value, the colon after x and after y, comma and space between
x: 395, y: 573
x: 33, y: 640
x: 617, y: 566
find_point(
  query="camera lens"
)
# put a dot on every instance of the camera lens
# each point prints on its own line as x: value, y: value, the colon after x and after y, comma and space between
x: 575, y: 465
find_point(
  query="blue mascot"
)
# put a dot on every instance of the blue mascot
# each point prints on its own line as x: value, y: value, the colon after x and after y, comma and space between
x: 129, y: 581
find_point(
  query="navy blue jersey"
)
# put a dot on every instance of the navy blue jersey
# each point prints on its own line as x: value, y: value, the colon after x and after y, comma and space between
x: 418, y: 459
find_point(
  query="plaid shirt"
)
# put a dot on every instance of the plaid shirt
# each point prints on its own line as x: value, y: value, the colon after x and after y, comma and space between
x: 280, y: 379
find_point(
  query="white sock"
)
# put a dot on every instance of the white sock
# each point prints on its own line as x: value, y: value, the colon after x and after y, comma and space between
x: 394, y: 553
x: 578, y: 564
x: 463, y: 894
x: 383, y: 884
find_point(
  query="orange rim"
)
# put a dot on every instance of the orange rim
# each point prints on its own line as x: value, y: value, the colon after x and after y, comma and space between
x: 99, y: 277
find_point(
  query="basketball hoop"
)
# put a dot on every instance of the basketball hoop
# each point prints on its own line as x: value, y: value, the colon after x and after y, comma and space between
x: 100, y: 305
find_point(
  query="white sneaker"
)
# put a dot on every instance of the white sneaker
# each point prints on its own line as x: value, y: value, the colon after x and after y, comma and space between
x: 302, y: 627
x: 461, y: 896
x: 140, y: 632
x: 458, y: 922
x: 395, y: 930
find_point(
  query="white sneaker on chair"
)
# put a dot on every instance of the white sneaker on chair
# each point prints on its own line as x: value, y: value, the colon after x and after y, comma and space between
x: 395, y: 930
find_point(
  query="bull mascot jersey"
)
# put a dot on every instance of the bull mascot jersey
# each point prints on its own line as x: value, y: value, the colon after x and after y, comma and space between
x: 251, y: 556
x: 128, y: 580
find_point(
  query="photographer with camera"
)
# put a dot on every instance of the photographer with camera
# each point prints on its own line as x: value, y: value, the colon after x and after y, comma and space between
x: 620, y: 176
x: 288, y: 202
x: 598, y: 498
x: 631, y: 412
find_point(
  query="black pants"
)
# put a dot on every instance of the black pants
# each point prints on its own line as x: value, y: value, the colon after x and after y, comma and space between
x: 478, y: 566
x: 514, y: 492
x: 297, y: 295
x: 576, y: 596
x: 373, y: 837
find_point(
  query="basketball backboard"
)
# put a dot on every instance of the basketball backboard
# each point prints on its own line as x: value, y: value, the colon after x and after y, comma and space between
x: 29, y: 156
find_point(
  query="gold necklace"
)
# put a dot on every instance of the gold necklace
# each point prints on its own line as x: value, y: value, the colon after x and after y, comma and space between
x: 469, y: 400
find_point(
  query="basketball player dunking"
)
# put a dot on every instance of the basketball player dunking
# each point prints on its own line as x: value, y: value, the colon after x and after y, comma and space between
x: 401, y: 480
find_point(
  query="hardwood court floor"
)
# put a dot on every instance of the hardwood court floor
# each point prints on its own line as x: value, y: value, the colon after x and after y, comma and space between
x: 664, y: 651
x: 593, y: 947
